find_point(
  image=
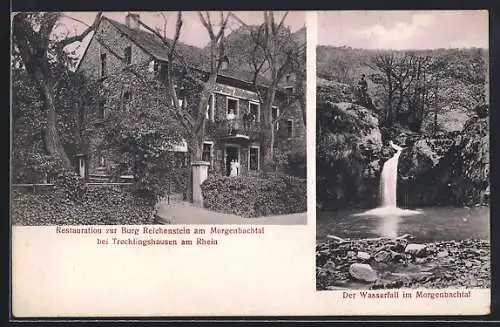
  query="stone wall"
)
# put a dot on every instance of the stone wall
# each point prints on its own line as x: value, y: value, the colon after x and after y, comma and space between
x: 110, y: 41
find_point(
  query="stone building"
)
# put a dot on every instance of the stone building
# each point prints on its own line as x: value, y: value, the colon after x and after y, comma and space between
x: 234, y: 108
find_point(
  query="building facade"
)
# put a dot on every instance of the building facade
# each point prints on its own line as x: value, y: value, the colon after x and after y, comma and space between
x: 234, y: 119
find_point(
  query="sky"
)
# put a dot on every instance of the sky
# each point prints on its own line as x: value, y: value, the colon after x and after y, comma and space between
x: 192, y: 32
x: 401, y: 30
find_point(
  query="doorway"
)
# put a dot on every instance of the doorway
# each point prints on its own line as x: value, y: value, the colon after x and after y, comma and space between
x: 81, y: 167
x: 232, y: 154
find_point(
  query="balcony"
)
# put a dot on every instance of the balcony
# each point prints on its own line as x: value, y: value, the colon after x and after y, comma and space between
x: 236, y: 130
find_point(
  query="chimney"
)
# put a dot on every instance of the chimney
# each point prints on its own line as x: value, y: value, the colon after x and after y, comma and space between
x: 132, y: 21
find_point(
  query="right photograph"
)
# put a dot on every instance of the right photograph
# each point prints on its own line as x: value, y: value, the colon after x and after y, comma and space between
x: 402, y: 150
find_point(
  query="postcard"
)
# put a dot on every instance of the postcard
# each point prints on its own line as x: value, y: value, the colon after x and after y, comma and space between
x: 265, y: 163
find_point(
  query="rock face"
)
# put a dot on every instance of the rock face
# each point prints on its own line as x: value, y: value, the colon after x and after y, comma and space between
x: 452, y: 170
x: 348, y: 143
x: 363, y: 272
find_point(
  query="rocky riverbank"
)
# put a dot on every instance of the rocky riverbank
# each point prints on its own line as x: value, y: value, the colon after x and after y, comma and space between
x: 401, y: 263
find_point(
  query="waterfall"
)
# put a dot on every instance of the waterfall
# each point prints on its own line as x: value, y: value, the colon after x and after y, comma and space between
x: 388, y: 187
x: 389, y: 181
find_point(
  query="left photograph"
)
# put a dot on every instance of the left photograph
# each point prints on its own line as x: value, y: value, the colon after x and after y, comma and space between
x: 131, y: 118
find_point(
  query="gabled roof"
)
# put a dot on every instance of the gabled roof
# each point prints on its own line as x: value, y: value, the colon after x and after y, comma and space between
x: 154, y: 46
x: 194, y: 56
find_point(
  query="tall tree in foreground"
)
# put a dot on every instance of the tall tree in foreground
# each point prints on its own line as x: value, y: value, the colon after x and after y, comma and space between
x: 40, y: 53
x: 200, y: 84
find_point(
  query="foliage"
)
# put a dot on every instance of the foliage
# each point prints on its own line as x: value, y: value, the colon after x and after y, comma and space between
x: 255, y: 196
x: 69, y: 184
x: 271, y: 52
x: 139, y: 127
x: 31, y: 163
x: 39, y: 52
x: 415, y: 89
x: 347, y: 146
x: 98, y: 206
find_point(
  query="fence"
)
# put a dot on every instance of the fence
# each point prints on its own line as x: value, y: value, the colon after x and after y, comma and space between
x: 45, y: 186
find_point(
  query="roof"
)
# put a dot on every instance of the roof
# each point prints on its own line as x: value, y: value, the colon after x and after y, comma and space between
x: 194, y: 56
x: 155, y: 46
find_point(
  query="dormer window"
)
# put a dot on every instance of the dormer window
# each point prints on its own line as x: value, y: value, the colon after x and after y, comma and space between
x: 127, y: 53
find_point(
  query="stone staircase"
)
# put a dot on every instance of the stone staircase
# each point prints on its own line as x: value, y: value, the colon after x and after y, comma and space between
x: 100, y: 176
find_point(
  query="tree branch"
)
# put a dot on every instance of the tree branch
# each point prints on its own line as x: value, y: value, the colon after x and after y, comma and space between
x: 80, y: 37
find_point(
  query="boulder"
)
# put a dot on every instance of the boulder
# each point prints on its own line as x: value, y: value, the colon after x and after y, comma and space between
x: 417, y: 250
x: 363, y: 255
x: 363, y: 272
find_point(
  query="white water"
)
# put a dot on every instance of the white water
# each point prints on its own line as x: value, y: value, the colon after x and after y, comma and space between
x: 389, y: 181
x: 388, y: 189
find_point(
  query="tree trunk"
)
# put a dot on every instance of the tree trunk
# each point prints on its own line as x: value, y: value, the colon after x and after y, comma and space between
x: 195, y: 154
x: 267, y: 145
x: 51, y: 136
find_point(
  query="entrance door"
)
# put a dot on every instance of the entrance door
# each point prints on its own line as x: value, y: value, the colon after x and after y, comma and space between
x: 81, y: 167
x: 232, y: 155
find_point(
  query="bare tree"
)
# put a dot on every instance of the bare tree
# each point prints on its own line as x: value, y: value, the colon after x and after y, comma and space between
x: 383, y: 66
x: 194, y: 122
x: 275, y: 54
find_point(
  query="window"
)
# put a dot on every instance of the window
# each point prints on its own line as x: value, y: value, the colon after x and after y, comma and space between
x: 128, y: 55
x: 255, y: 111
x: 81, y: 112
x: 102, y: 109
x: 103, y: 65
x: 289, y: 128
x: 232, y: 108
x: 102, y: 161
x: 288, y: 93
x: 253, y: 154
x: 210, y: 107
x: 274, y: 116
x: 181, y: 96
x: 207, y: 151
x: 127, y: 96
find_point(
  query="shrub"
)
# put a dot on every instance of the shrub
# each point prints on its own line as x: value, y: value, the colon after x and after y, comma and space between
x: 250, y: 196
x: 69, y: 184
x: 96, y: 206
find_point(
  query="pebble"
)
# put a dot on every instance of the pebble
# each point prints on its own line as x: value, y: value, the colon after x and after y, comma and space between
x: 443, y: 254
x: 363, y: 255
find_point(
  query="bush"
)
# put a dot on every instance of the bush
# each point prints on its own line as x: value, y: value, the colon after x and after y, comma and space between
x: 69, y: 184
x: 96, y: 206
x: 255, y: 196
